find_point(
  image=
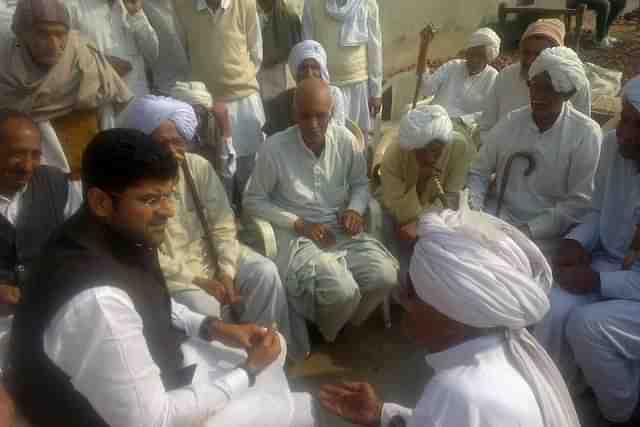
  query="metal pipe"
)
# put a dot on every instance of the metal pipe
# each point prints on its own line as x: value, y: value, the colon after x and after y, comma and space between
x: 507, y: 173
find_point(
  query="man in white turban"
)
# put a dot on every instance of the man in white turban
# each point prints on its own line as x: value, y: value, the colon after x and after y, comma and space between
x: 234, y: 282
x: 510, y: 90
x: 544, y: 155
x: 462, y: 86
x: 350, y: 31
x: 476, y: 284
x: 427, y: 149
x: 307, y: 59
x: 594, y: 322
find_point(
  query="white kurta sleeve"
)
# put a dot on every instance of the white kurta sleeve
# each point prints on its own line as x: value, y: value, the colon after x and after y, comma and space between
x: 482, y: 168
x: 577, y: 202
x: 374, y: 51
x: 358, y: 180
x: 145, y: 36
x: 185, y: 319
x: 97, y: 340
x: 257, y: 196
x: 308, y: 32
x: 489, y: 116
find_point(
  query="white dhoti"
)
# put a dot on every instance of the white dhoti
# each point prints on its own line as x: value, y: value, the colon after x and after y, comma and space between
x: 269, y: 403
x: 356, y: 103
x: 331, y: 287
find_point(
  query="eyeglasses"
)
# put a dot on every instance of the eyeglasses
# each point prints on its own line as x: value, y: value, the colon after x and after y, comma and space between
x: 152, y: 201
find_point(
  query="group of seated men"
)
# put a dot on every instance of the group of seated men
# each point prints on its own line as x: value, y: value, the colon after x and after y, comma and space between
x: 136, y: 304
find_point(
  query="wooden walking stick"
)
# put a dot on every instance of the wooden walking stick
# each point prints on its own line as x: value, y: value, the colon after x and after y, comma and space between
x: 531, y: 161
x: 426, y: 37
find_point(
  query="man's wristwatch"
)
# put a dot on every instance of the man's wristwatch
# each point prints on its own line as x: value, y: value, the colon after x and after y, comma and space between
x: 251, y: 373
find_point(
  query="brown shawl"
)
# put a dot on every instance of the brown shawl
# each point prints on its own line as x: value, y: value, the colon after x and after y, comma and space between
x: 82, y: 80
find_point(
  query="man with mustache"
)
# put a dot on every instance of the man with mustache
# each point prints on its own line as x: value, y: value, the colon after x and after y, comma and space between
x: 563, y: 144
x: 34, y: 201
x: 98, y: 326
x: 593, y: 321
x: 311, y: 183
x: 510, y: 90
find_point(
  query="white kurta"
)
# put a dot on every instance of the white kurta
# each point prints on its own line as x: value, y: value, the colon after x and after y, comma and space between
x: 558, y: 192
x: 116, y: 33
x: 97, y: 339
x: 475, y: 385
x: 603, y: 336
x: 511, y: 92
x: 459, y: 93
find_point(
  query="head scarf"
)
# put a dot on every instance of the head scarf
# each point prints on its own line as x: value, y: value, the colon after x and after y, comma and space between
x: 309, y: 49
x: 631, y: 92
x: 30, y: 12
x: 146, y: 114
x: 488, y: 38
x: 480, y: 271
x: 424, y: 125
x: 552, y: 29
x: 563, y: 66
x: 194, y: 93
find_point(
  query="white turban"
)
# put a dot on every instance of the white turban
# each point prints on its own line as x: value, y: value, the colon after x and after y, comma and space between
x: 480, y: 271
x: 308, y: 49
x: 488, y: 38
x: 563, y: 65
x: 631, y: 92
x: 194, y: 93
x: 148, y: 112
x: 424, y: 125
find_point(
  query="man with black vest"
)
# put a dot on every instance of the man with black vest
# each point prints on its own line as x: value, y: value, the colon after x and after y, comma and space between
x: 97, y: 339
x: 34, y: 201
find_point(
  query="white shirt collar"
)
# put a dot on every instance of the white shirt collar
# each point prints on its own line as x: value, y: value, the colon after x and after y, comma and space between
x: 461, y: 354
x: 202, y: 5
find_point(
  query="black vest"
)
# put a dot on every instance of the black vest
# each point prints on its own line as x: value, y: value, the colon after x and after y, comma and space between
x: 81, y: 255
x: 41, y: 212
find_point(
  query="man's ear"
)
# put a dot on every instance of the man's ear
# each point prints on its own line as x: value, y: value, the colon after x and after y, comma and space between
x: 100, y: 203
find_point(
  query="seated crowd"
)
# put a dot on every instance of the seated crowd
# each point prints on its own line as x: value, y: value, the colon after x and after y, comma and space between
x: 130, y: 178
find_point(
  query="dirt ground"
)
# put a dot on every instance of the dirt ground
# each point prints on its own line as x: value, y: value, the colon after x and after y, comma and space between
x: 383, y: 356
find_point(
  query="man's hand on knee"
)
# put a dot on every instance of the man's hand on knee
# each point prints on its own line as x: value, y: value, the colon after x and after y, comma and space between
x: 318, y: 233
x: 571, y: 254
x: 581, y: 279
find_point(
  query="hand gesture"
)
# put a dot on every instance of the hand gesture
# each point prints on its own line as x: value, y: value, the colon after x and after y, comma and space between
x: 9, y: 294
x: 579, y: 280
x: 408, y: 232
x: 571, y: 254
x: 132, y: 6
x: 356, y: 402
x: 318, y: 233
x: 264, y: 351
x: 352, y: 222
x: 243, y: 336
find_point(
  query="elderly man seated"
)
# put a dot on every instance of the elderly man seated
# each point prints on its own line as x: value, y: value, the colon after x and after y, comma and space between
x: 311, y: 183
x: 510, y: 91
x: 307, y: 59
x: 428, y: 163
x: 462, y: 86
x: 204, y: 265
x: 594, y: 321
x: 544, y: 155
x: 98, y: 326
x: 48, y: 72
x: 476, y: 285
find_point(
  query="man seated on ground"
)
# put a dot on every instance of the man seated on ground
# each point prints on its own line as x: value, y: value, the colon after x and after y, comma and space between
x: 98, y: 326
x: 462, y: 86
x: 593, y: 323
x: 308, y: 59
x: 511, y: 91
x: 544, y: 155
x: 234, y: 283
x: 49, y: 71
x: 34, y: 201
x: 311, y: 183
x: 427, y: 150
x: 476, y: 284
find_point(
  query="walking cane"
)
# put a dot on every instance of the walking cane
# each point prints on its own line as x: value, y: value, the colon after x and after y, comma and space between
x: 429, y: 32
x: 507, y: 173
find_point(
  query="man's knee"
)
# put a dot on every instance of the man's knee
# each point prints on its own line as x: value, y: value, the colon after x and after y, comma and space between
x: 380, y: 273
x: 584, y: 324
x: 257, y: 271
x: 334, y: 283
